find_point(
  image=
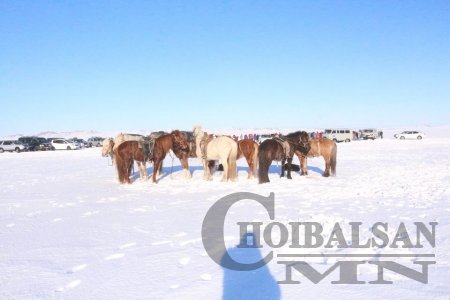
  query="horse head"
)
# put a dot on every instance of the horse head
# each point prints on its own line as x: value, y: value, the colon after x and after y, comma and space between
x: 304, y: 142
x: 107, y: 147
x: 300, y: 140
x: 180, y: 141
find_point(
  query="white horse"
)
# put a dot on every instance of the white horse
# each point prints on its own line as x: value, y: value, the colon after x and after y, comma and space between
x: 107, y: 148
x: 223, y: 148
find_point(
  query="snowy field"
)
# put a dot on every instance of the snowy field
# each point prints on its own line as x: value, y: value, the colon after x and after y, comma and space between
x: 68, y: 230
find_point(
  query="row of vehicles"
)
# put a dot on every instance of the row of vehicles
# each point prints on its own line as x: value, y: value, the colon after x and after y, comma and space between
x: 34, y: 143
x: 347, y: 135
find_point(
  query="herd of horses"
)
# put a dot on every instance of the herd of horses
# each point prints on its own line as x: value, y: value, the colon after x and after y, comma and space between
x: 126, y: 149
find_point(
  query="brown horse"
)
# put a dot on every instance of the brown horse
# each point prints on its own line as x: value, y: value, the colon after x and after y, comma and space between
x: 125, y: 155
x: 281, y: 149
x: 177, y: 141
x: 249, y: 149
x: 320, y: 147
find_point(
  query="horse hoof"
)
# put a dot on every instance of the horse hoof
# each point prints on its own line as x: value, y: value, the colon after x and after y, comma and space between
x: 289, y: 177
x: 326, y: 175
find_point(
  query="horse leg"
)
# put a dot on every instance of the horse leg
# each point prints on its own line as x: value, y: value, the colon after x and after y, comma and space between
x: 144, y: 166
x: 289, y: 167
x: 251, y: 166
x: 185, y: 165
x: 156, y: 163
x: 304, y: 165
x: 251, y: 169
x: 283, y: 161
x: 212, y: 166
x: 143, y: 170
x: 140, y: 169
x: 122, y: 170
x: 225, y: 170
x: 263, y: 171
x: 327, y: 167
x: 159, y: 172
x: 207, y: 173
x: 129, y: 169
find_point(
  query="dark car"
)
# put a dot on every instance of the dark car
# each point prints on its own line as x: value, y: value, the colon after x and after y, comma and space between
x: 36, y: 143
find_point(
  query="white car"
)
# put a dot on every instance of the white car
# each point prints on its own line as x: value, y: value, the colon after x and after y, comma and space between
x: 12, y: 146
x: 410, y: 135
x: 61, y: 144
x: 369, y: 134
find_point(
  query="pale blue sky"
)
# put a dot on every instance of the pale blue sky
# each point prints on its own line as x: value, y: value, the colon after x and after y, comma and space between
x: 124, y: 65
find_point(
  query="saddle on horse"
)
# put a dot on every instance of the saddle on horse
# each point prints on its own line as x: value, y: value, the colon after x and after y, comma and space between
x: 148, y: 146
x: 126, y: 137
x: 288, y: 150
x: 145, y: 143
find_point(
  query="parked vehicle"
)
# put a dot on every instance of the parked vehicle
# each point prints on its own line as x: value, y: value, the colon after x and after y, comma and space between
x: 12, y: 146
x: 62, y: 144
x: 339, y: 135
x: 82, y: 143
x: 369, y: 134
x: 410, y: 135
x: 95, y: 141
x: 35, y: 143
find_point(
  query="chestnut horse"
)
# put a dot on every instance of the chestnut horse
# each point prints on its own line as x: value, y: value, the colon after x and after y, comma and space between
x: 281, y: 149
x: 124, y: 155
x: 320, y: 147
x: 249, y: 149
x: 179, y: 144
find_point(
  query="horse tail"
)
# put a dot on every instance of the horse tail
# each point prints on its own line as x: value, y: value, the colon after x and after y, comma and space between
x: 333, y: 158
x: 264, y: 163
x: 239, y: 150
x: 255, y: 157
x: 233, y: 156
x: 122, y: 168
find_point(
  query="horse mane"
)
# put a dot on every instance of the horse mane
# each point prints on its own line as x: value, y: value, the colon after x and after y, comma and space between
x: 196, y: 130
x: 296, y: 134
x: 189, y: 135
x: 156, y: 134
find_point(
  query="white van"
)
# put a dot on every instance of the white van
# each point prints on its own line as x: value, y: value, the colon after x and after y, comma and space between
x: 339, y: 135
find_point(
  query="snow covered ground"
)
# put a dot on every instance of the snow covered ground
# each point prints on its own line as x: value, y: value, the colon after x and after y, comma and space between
x: 69, y: 230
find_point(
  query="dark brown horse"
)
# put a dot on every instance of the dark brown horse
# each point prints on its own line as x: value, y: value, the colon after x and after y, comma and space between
x: 249, y: 149
x: 320, y: 147
x: 176, y: 141
x: 281, y: 149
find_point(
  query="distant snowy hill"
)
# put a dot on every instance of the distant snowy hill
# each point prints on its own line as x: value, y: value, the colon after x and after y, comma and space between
x: 430, y: 131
